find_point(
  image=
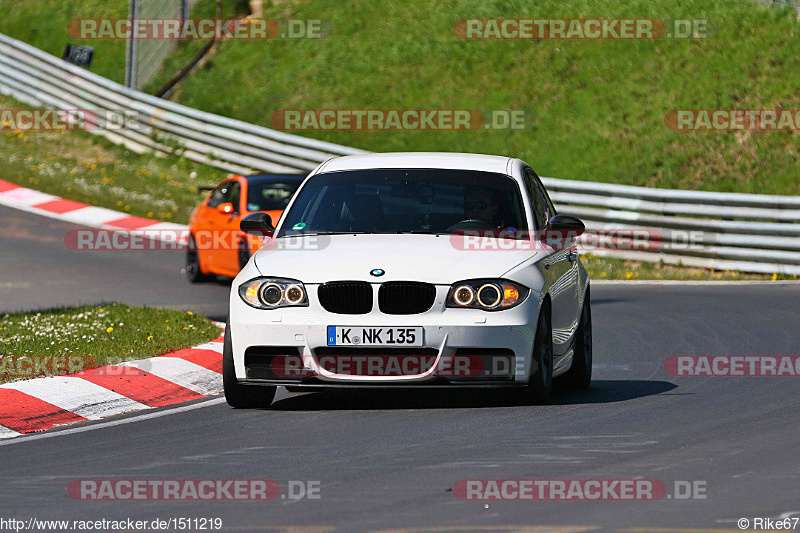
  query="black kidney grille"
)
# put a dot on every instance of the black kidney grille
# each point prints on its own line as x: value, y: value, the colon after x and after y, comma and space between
x: 346, y: 297
x: 405, y: 297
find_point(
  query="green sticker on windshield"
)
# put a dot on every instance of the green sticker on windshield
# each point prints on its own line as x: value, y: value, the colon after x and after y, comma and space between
x: 299, y: 226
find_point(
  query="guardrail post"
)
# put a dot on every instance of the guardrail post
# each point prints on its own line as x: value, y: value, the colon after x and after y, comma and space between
x: 131, y: 48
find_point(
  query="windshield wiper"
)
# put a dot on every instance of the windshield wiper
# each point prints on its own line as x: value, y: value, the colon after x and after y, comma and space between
x: 329, y: 233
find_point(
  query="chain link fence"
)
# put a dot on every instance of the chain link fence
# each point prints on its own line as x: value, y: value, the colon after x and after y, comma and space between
x: 794, y: 4
x: 144, y: 57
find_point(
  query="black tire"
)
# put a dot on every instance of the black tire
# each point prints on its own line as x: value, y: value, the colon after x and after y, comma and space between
x: 192, y: 270
x: 237, y: 395
x: 540, y: 385
x: 579, y: 375
x: 244, y: 253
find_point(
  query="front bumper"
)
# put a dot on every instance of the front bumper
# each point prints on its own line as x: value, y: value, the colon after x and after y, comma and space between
x: 451, y: 339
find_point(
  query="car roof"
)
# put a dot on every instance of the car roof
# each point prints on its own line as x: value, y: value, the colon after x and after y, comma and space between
x: 275, y: 178
x: 444, y: 160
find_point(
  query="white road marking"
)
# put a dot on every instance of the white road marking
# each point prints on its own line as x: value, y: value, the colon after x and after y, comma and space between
x: 27, y: 197
x: 112, y: 423
x: 181, y: 372
x: 78, y: 396
x: 216, y: 346
x: 6, y: 433
x: 92, y: 216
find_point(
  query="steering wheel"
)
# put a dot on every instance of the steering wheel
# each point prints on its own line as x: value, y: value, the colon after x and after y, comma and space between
x: 470, y: 223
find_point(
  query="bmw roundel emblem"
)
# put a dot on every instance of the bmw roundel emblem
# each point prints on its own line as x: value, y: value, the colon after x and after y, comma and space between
x: 377, y: 272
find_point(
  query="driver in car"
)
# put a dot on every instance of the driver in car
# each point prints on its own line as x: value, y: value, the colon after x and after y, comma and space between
x: 480, y: 204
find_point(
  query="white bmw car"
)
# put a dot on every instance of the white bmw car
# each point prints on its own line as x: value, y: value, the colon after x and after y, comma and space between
x: 413, y: 270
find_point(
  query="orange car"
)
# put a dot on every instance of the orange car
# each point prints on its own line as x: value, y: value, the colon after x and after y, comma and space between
x: 216, y: 245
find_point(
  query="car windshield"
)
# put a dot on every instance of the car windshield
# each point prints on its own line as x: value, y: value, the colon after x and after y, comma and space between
x: 405, y: 201
x: 270, y: 195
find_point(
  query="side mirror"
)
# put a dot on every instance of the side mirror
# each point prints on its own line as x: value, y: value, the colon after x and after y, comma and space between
x: 226, y: 208
x: 566, y: 223
x: 257, y: 224
x: 561, y: 230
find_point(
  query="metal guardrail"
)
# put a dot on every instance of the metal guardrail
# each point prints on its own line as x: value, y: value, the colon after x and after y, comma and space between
x: 725, y: 231
x: 36, y: 77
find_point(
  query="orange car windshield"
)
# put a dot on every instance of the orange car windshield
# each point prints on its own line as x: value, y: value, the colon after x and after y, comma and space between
x: 271, y: 196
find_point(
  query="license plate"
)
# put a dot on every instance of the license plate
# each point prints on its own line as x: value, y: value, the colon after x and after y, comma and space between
x: 368, y: 336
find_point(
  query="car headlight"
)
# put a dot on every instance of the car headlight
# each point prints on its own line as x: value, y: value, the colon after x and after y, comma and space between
x: 272, y: 293
x: 486, y: 294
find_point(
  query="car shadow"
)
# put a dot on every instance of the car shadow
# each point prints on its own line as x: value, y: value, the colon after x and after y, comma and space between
x: 605, y: 301
x: 601, y: 391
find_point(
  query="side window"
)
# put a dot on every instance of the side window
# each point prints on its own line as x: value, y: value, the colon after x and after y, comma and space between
x: 227, y: 192
x: 550, y: 207
x: 233, y: 195
x: 538, y: 199
x: 217, y: 196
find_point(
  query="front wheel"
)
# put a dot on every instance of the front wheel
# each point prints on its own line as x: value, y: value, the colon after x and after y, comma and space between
x: 192, y: 270
x: 579, y: 375
x: 244, y: 253
x: 238, y: 395
x: 540, y: 384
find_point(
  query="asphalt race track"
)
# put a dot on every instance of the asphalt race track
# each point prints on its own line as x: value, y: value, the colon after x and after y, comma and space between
x: 390, y: 459
x: 38, y: 271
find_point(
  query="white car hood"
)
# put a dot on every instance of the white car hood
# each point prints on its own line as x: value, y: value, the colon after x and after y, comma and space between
x: 428, y: 258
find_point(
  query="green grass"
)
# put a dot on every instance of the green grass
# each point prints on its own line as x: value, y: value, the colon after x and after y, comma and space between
x: 88, y: 168
x: 598, y: 106
x: 94, y: 336
x: 43, y: 24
